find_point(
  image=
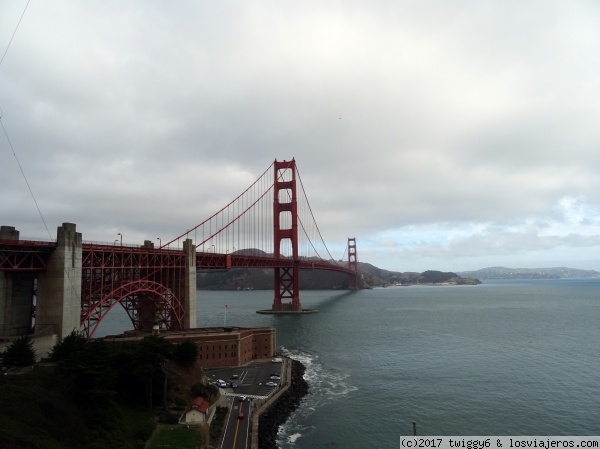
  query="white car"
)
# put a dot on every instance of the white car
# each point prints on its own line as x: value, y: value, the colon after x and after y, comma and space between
x: 271, y: 384
x: 275, y: 378
x: 221, y: 383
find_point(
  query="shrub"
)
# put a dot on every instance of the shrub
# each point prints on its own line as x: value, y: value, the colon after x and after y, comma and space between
x: 19, y: 353
x: 216, y: 427
x: 72, y: 343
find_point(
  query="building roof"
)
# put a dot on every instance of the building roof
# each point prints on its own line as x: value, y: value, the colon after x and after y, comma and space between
x: 199, y: 404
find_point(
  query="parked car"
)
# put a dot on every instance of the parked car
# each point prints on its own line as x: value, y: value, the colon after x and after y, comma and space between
x: 275, y: 378
x: 242, y: 398
x: 234, y: 376
x: 221, y: 383
x: 233, y: 385
x: 271, y: 384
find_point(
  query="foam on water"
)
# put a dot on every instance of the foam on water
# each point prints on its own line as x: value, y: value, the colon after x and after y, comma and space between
x: 325, y: 386
x: 294, y: 437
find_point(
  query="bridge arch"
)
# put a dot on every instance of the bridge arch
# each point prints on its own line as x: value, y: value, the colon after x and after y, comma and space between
x: 146, y: 303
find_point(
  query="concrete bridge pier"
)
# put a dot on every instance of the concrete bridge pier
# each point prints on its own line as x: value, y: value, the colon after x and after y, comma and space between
x: 189, y: 296
x: 59, y: 287
x: 16, y: 295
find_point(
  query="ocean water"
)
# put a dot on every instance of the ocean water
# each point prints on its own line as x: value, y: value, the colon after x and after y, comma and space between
x: 501, y: 358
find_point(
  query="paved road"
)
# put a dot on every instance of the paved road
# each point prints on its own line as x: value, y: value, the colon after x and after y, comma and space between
x: 236, y: 430
x: 251, y: 379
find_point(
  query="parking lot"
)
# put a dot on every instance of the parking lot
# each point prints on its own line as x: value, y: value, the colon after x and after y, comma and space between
x: 250, y: 379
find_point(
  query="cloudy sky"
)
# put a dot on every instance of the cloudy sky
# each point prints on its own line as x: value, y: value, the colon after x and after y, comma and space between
x: 448, y: 135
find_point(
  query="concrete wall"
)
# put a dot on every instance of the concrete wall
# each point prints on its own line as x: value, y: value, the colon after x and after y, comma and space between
x: 59, y: 287
x: 16, y: 303
x: 9, y: 233
x: 16, y: 295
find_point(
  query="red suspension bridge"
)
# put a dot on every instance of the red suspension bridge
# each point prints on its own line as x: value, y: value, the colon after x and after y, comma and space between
x: 70, y: 284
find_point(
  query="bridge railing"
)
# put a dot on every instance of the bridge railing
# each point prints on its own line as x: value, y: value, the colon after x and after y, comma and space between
x: 34, y: 243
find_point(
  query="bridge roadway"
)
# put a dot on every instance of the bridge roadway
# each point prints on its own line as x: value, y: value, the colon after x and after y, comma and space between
x: 70, y: 284
x: 31, y: 255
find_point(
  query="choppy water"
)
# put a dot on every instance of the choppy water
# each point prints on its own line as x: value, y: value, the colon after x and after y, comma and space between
x: 501, y: 358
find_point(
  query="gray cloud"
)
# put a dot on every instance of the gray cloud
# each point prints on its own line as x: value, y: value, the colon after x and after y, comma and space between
x: 146, y: 118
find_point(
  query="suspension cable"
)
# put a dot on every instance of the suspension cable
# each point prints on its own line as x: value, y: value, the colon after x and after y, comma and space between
x: 313, y: 217
x: 221, y: 210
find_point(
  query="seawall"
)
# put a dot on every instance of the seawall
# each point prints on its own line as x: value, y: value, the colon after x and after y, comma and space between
x: 276, y: 411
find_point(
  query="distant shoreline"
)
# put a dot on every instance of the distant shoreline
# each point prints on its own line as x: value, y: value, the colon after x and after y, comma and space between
x: 461, y: 281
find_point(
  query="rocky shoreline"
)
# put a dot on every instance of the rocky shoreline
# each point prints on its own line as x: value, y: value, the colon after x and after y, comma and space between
x: 280, y: 411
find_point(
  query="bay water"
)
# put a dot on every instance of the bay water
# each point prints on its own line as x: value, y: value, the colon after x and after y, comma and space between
x: 500, y: 358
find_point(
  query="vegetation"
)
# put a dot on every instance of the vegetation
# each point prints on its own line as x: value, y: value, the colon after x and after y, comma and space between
x: 207, y: 391
x: 72, y: 343
x: 185, y: 354
x: 218, y: 423
x: 176, y: 438
x: 19, y: 353
x: 36, y: 413
x: 434, y: 277
x: 92, y: 395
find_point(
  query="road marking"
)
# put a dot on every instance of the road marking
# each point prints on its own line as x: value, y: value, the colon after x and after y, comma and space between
x: 237, y: 426
x: 253, y: 396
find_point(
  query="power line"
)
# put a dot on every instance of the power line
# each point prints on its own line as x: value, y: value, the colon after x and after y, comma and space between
x: 17, y: 159
x: 14, y: 32
x: 24, y: 177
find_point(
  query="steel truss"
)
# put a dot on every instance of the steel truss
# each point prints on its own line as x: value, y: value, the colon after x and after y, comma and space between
x: 149, y: 284
x: 24, y: 255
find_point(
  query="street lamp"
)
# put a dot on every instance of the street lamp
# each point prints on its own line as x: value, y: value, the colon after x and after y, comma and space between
x: 159, y: 242
x: 115, y: 242
x: 213, y: 248
x: 121, y: 238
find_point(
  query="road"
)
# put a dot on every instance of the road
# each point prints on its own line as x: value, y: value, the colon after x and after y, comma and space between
x: 251, y: 382
x: 236, y: 430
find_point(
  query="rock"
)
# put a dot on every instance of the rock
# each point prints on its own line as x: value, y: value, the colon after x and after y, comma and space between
x: 281, y: 410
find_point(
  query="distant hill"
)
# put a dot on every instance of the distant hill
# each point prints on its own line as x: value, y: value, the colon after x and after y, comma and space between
x: 370, y: 276
x: 530, y: 273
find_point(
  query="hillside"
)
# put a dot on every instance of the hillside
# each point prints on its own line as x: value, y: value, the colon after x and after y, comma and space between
x: 370, y: 276
x: 531, y: 273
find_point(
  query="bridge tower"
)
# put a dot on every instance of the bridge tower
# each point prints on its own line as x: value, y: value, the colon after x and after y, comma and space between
x: 352, y: 263
x: 286, y: 283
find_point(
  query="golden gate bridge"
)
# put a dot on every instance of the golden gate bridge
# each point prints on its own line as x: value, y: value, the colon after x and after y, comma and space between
x: 72, y: 284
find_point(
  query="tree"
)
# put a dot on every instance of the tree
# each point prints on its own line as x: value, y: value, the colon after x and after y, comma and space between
x: 69, y: 345
x: 207, y: 391
x: 89, y: 371
x: 152, y: 352
x: 19, y: 353
x: 185, y: 354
